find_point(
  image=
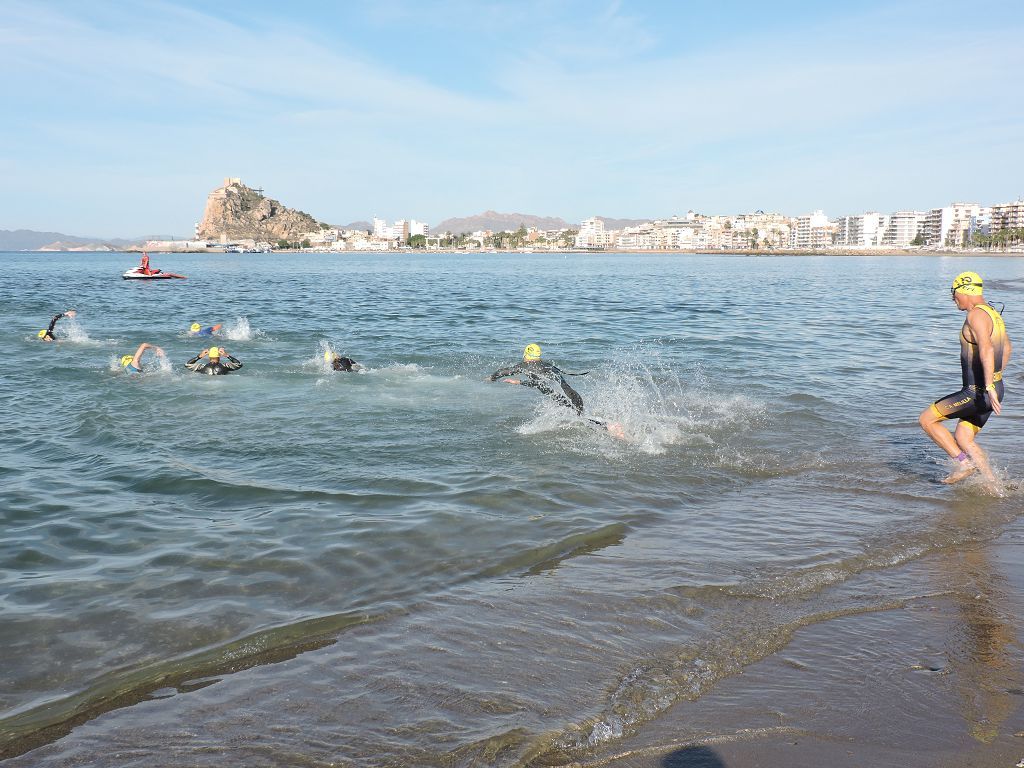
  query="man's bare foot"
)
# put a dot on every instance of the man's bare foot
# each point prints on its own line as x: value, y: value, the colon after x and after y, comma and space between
x: 615, y: 430
x: 965, y: 470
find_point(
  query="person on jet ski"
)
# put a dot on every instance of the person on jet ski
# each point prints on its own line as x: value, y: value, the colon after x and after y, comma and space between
x: 144, y: 266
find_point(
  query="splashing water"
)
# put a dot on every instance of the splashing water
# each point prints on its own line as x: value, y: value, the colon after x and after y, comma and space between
x: 655, y: 407
x: 239, y: 329
x: 69, y: 329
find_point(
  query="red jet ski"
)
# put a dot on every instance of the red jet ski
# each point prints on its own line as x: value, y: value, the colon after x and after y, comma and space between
x: 143, y: 272
x: 137, y: 273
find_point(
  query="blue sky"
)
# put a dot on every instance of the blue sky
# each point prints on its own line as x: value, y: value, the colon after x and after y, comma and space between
x: 119, y: 117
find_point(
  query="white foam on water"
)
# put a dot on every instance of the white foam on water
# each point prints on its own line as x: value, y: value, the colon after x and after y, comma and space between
x: 159, y: 364
x: 654, y: 406
x: 70, y: 330
x: 320, y: 361
x: 240, y: 329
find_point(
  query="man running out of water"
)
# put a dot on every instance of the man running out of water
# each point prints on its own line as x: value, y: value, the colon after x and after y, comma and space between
x: 218, y: 362
x: 48, y: 335
x: 984, y: 351
x: 549, y: 380
x: 133, y: 363
x: 339, y: 363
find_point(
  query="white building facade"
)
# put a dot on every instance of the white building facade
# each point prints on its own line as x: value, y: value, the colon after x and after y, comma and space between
x: 903, y: 228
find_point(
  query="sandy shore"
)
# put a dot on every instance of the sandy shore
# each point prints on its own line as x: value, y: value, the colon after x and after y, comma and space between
x: 935, y: 684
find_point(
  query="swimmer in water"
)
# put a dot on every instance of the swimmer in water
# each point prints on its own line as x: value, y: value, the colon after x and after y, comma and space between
x: 198, y: 330
x: 133, y: 363
x: 339, y: 363
x: 219, y: 362
x: 549, y: 380
x: 48, y: 335
x: 984, y: 351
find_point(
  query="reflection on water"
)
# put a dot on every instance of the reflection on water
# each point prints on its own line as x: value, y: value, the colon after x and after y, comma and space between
x: 982, y: 653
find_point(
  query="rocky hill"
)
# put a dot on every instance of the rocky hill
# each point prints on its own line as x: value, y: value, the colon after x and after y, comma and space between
x: 237, y: 212
x: 498, y: 222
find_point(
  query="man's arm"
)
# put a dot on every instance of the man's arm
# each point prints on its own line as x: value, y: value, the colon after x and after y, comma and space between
x: 502, y: 373
x: 981, y: 326
x: 231, y: 363
x: 194, y: 364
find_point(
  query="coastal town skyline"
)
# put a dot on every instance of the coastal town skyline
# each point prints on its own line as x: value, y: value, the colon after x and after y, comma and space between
x: 120, y: 113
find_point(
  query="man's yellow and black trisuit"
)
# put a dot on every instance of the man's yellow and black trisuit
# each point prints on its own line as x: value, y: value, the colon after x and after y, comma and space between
x: 970, y: 403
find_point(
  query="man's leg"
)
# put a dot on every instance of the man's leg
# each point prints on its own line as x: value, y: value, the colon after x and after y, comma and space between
x: 932, y: 424
x: 965, y: 434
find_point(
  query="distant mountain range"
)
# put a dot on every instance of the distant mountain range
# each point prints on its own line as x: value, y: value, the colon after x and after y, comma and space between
x: 30, y: 240
x: 498, y: 222
x: 622, y: 223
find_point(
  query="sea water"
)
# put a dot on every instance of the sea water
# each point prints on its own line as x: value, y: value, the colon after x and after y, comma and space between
x: 410, y: 565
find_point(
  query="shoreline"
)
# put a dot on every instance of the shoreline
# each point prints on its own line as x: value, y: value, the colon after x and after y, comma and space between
x: 617, y: 252
x: 942, y: 685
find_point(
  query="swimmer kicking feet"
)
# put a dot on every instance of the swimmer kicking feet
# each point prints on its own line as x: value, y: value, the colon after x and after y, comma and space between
x: 549, y: 380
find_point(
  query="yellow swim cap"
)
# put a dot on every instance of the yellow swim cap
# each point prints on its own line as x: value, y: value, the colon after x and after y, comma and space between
x: 328, y: 356
x: 126, y: 359
x: 532, y: 352
x: 213, y: 352
x: 195, y: 328
x: 41, y: 334
x: 968, y: 283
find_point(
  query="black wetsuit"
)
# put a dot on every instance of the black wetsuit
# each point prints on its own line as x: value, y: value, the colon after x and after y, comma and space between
x: 224, y: 365
x: 344, y: 364
x: 48, y: 336
x: 545, y: 377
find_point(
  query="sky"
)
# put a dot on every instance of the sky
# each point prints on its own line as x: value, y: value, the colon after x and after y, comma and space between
x: 118, y: 118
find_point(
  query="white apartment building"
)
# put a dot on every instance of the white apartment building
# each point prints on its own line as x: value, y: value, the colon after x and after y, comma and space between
x: 951, y: 225
x: 811, y: 230
x: 865, y: 230
x: 636, y: 238
x: 1007, y: 216
x: 676, y: 233
x: 903, y: 228
x: 592, y: 234
x: 401, y: 230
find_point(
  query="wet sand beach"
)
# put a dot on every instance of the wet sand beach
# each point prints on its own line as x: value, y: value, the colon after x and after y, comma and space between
x: 941, y: 685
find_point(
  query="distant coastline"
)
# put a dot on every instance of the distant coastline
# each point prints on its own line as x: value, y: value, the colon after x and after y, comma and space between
x: 610, y: 252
